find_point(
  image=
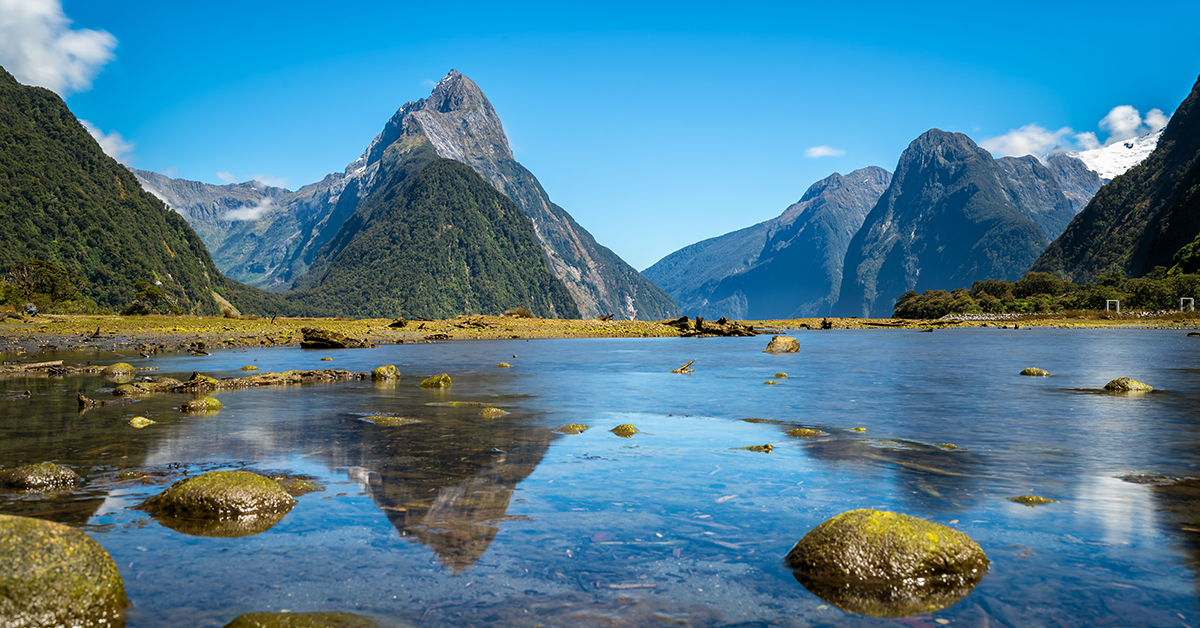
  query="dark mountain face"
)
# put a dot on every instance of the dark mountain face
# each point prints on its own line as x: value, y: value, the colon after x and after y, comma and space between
x: 950, y: 216
x: 62, y: 200
x: 783, y: 268
x: 1143, y: 218
x: 458, y: 121
x: 434, y: 240
x: 1078, y: 182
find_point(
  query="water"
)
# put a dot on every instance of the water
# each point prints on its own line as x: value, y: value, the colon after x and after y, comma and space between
x: 459, y: 520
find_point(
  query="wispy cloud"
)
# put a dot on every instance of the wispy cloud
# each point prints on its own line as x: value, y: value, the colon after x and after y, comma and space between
x: 38, y: 46
x: 113, y: 144
x: 227, y: 176
x: 816, y: 152
x: 1123, y: 122
x: 260, y: 181
x: 249, y: 212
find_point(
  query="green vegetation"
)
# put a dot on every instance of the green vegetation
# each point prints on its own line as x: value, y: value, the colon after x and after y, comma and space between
x: 1039, y: 292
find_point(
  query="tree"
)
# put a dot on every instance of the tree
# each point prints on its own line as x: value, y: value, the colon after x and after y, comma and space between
x: 35, y: 277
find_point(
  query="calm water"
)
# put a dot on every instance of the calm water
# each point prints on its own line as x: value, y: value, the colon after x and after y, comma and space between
x: 460, y: 520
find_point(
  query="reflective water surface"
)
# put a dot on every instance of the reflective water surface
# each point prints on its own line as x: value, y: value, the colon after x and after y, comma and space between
x: 462, y: 520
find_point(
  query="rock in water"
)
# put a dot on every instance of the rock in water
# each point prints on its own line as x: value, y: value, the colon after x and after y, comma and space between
x: 782, y: 344
x: 886, y: 564
x: 388, y: 371
x: 55, y: 575
x: 219, y: 494
x: 437, y: 381
x: 119, y: 370
x: 39, y: 476
x: 1125, y: 384
x: 301, y: 620
x: 325, y: 339
x: 1035, y: 372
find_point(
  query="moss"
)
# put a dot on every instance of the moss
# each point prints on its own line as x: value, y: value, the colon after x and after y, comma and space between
x: 219, y: 495
x: 492, y: 413
x: 327, y: 359
x: 624, y: 430
x: 766, y: 449
x: 55, y: 575
x: 388, y: 371
x: 128, y: 390
x: 302, y: 620
x: 770, y: 382
x: 249, y: 367
x: 140, y: 421
x: 39, y: 476
x: 781, y: 375
x: 858, y: 429
x: 1035, y: 372
x: 504, y: 365
x: 1032, y: 500
x: 1125, y: 384
x: 389, y: 420
x: 804, y: 432
x: 571, y: 428
x: 119, y: 370
x: 887, y: 564
x: 297, y: 485
x: 437, y: 381
x: 203, y: 404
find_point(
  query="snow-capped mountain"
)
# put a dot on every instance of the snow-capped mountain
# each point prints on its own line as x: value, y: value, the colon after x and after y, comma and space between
x: 1114, y: 159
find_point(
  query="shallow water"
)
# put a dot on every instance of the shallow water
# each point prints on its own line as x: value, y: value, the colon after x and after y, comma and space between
x: 460, y: 520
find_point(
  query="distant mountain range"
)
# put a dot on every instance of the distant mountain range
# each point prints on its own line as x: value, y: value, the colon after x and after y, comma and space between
x: 270, y: 237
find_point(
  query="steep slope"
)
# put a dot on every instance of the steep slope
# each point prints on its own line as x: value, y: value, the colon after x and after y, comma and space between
x: 1037, y: 192
x: 64, y: 201
x: 1078, y: 182
x: 784, y: 267
x: 435, y: 240
x: 1143, y: 217
x: 950, y: 216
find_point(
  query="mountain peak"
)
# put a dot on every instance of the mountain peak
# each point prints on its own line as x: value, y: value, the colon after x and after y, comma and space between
x: 456, y: 92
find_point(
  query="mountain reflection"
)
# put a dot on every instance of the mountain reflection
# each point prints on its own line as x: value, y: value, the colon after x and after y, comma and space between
x: 447, y: 481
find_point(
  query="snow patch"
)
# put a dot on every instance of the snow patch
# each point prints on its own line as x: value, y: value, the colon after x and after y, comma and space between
x: 1118, y: 157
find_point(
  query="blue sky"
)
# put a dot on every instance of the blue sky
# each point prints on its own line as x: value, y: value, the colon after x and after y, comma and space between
x: 655, y: 126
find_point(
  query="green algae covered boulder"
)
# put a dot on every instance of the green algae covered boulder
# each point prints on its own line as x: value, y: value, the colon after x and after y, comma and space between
x: 492, y: 413
x: 571, y: 428
x: 1035, y: 372
x: 249, y: 367
x: 218, y: 494
x: 302, y: 620
x: 437, y: 381
x: 886, y: 564
x: 389, y: 420
x: 39, y: 476
x: 55, y: 575
x: 202, y: 404
x: 388, y: 371
x: 625, y: 430
x: 140, y: 421
x: 120, y: 370
x: 804, y: 432
x: 1125, y: 384
x: 1032, y: 500
x: 782, y: 344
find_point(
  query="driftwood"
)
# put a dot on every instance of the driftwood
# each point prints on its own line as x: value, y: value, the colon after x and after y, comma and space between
x: 684, y: 368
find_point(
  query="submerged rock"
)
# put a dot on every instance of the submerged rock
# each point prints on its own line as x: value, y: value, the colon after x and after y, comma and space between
x: 504, y: 365
x: 249, y: 367
x: 781, y: 376
x: 203, y: 404
x: 387, y: 371
x: 389, y: 421
x: 804, y: 432
x: 437, y: 381
x: 571, y: 428
x: 1032, y: 500
x: 886, y: 564
x: 302, y: 620
x: 1035, y: 372
x: 782, y: 344
x: 140, y: 421
x: 120, y: 370
x: 492, y: 413
x: 624, y: 430
x: 221, y: 494
x: 325, y: 339
x: 766, y: 449
x: 39, y: 476
x: 55, y: 575
x: 1125, y: 384
x: 770, y: 382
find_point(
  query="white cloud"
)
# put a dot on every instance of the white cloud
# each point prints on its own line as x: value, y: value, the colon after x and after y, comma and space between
x: 1156, y: 120
x: 112, y: 143
x: 268, y: 179
x: 1031, y: 139
x: 1122, y: 123
x: 38, y: 46
x: 816, y: 152
x: 1087, y: 141
x: 171, y: 171
x: 249, y: 212
x: 227, y: 176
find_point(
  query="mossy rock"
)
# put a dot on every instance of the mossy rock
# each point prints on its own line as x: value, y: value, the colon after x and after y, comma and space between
x: 804, y: 432
x: 781, y: 375
x: 625, y: 430
x: 766, y: 449
x: 197, y: 383
x: 782, y: 344
x: 55, y: 575
x: 460, y: 404
x: 572, y: 428
x: 886, y: 564
x: 492, y: 413
x: 1125, y: 384
x: 858, y: 429
x: 1035, y: 372
x: 770, y: 382
x: 302, y: 620
x: 389, y: 420
x: 39, y: 476
x: 128, y: 390
x: 1032, y: 500
x: 327, y: 359
x: 437, y: 381
x: 249, y: 367
x: 504, y: 365
x: 387, y: 371
x: 120, y: 370
x: 297, y: 485
x: 140, y: 421
x: 203, y: 404
x: 220, y: 495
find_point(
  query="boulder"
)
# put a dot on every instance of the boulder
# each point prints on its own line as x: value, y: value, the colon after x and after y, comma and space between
x: 804, y: 432
x: 492, y: 413
x: 203, y: 404
x: 55, y: 575
x: 325, y: 339
x: 249, y: 367
x: 782, y: 344
x: 624, y: 430
x: 388, y: 371
x: 1125, y: 384
x: 302, y: 620
x: 119, y: 370
x: 1032, y: 500
x: 571, y: 428
x: 437, y: 381
x: 140, y: 421
x: 39, y: 476
x: 219, y: 495
x: 887, y: 564
x: 1035, y: 372
x: 399, y: 323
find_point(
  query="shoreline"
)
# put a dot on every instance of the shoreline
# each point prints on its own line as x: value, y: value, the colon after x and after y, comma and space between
x: 165, y: 333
